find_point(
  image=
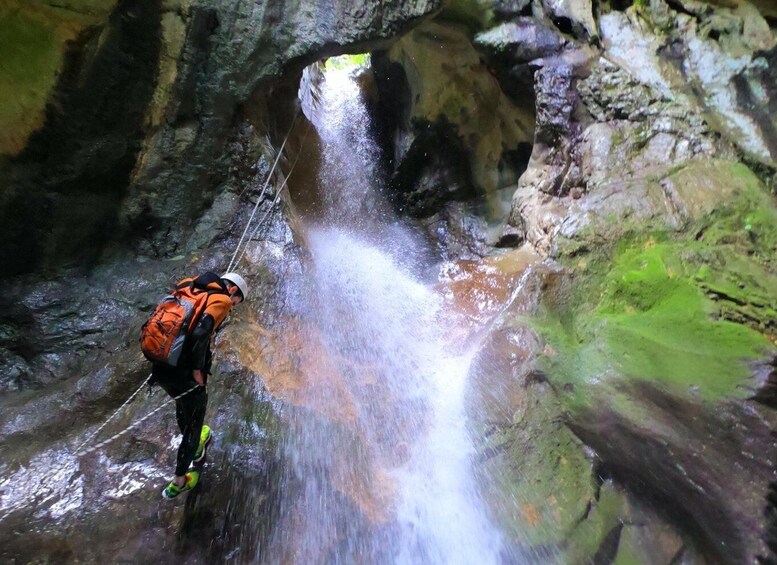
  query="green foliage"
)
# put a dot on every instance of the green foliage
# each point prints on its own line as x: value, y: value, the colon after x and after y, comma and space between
x: 348, y: 61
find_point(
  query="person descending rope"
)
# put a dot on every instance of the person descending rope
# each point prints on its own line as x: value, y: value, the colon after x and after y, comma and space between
x: 176, y: 339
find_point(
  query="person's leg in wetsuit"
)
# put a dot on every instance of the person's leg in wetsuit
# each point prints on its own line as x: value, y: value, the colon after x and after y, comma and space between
x: 189, y: 410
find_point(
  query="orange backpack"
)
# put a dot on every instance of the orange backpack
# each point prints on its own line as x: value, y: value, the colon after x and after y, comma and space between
x: 163, y: 336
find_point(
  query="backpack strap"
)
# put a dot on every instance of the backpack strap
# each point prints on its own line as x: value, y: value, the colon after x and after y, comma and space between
x: 185, y: 283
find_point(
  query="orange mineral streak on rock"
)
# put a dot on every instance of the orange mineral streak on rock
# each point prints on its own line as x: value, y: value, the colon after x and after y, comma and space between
x: 479, y: 290
x: 295, y: 366
x: 374, y: 494
x: 530, y: 514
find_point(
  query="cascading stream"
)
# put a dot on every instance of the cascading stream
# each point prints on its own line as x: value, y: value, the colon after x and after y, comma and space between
x: 390, y: 477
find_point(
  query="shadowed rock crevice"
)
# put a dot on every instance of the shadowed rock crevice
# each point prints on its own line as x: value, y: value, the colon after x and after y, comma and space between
x: 454, y: 133
x: 683, y: 472
x: 62, y: 195
x: 427, y: 177
x: 756, y: 89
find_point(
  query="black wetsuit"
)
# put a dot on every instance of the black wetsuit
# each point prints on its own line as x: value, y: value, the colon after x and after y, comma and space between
x: 189, y: 410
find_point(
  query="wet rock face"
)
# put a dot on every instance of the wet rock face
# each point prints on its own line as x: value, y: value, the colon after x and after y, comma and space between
x: 640, y: 130
x: 79, y: 364
x: 429, y: 178
x: 107, y: 506
x: 554, y: 167
x: 520, y: 41
x: 670, y: 393
x: 222, y: 71
x: 555, y: 497
x: 605, y: 121
x: 513, y: 50
x: 34, y: 40
x: 133, y: 146
x: 51, y: 331
x: 684, y: 466
x: 722, y: 51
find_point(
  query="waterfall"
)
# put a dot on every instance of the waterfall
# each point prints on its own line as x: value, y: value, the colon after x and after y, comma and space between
x: 389, y: 478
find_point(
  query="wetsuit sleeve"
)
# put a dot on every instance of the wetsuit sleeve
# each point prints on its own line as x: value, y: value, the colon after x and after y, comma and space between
x: 217, y: 309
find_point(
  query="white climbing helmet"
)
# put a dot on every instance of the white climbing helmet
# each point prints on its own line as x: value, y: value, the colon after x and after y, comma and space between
x: 238, y: 281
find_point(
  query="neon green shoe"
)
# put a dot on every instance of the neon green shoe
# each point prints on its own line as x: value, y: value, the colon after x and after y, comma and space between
x: 172, y: 490
x: 202, y: 449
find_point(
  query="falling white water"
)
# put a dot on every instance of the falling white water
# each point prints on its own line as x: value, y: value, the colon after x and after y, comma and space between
x: 441, y: 511
x: 373, y: 309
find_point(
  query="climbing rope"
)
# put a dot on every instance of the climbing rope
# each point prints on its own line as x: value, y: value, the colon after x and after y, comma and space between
x: 134, y: 424
x: 276, y: 198
x: 112, y: 416
x: 232, y: 261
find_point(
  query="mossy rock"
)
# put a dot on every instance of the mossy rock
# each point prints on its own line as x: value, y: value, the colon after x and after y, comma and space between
x: 31, y: 57
x: 543, y: 479
x: 691, y: 310
x: 680, y: 198
x: 654, y: 340
x: 595, y: 539
x: 643, y: 545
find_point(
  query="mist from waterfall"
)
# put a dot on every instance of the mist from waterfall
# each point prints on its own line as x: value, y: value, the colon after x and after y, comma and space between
x: 399, y: 456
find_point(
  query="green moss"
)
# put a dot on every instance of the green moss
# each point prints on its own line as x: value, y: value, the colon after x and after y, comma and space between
x: 33, y: 39
x: 30, y: 56
x: 679, y: 311
x: 749, y: 222
x: 640, y: 138
x: 544, y: 477
x: 656, y: 325
x: 687, y: 310
x: 607, y: 513
x: 628, y: 555
x: 660, y: 24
